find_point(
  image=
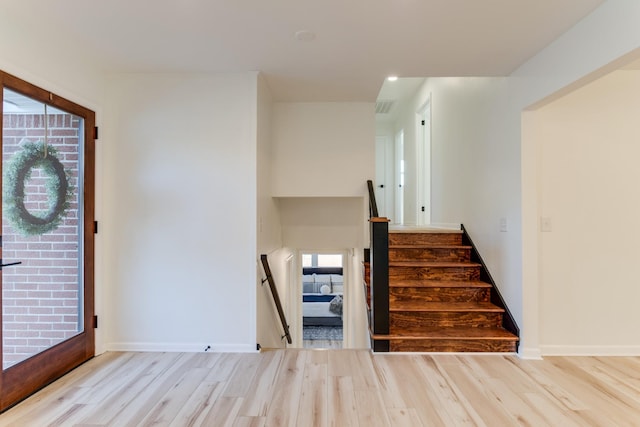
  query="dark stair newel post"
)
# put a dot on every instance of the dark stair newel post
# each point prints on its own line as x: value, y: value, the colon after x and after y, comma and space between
x: 379, y: 279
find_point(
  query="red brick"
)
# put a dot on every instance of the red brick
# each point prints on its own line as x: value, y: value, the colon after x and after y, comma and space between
x: 14, y: 341
x: 50, y: 319
x: 14, y: 294
x: 65, y: 310
x: 65, y: 294
x: 27, y: 302
x: 26, y: 334
x: 41, y: 310
x: 39, y: 279
x: 26, y: 318
x: 58, y: 335
x: 63, y: 327
x: 16, y: 327
x: 41, y: 326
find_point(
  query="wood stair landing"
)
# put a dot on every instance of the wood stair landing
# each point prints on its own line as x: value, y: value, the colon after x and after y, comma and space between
x: 437, y: 302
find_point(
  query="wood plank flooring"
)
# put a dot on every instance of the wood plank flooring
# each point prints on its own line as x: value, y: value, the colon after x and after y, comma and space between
x: 337, y: 388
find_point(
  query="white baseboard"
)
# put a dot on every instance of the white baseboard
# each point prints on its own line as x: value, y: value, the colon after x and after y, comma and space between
x: 529, y: 353
x: 590, y: 350
x: 180, y: 347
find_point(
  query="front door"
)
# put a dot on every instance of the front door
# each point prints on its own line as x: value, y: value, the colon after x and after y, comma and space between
x: 47, y: 238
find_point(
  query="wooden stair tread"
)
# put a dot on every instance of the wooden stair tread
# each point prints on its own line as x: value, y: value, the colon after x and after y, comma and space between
x: 432, y: 246
x: 452, y: 333
x: 422, y: 306
x: 438, y: 301
x: 394, y: 229
x: 434, y: 264
x: 417, y: 283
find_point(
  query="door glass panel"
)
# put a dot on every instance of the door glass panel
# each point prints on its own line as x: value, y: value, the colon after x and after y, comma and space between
x: 41, y: 212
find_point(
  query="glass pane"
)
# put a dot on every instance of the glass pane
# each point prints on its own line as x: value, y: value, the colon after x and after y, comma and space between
x: 329, y: 260
x: 41, y: 213
x: 307, y: 261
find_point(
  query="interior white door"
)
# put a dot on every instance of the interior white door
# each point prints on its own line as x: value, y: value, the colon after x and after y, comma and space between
x: 384, y: 176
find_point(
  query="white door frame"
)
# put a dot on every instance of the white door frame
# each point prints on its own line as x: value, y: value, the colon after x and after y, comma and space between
x: 400, y: 171
x: 423, y: 151
x: 293, y: 308
x: 296, y: 322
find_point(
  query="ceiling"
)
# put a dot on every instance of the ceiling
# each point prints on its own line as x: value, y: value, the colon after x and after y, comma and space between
x: 357, y: 42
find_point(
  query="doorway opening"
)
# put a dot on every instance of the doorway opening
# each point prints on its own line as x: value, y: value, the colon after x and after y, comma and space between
x: 322, y: 300
x: 384, y: 183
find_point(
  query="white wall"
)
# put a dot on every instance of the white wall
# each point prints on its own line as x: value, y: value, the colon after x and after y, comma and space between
x: 588, y: 168
x: 598, y: 44
x: 323, y: 154
x: 269, y: 331
x: 322, y: 223
x: 37, y: 56
x: 460, y: 122
x: 323, y: 149
x: 508, y: 166
x: 180, y: 211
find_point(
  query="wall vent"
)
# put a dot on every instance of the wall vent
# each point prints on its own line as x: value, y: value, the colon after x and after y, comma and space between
x: 383, y: 107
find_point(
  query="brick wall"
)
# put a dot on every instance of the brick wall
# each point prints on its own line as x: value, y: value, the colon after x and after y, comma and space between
x: 40, y: 299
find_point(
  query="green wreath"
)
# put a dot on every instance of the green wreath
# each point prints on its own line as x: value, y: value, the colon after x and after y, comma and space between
x: 59, y: 191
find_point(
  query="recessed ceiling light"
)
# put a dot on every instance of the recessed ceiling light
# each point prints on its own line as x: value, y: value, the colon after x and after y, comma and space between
x: 392, y: 78
x: 304, y: 35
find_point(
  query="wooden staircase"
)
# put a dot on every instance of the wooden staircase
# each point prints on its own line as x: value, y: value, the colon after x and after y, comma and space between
x: 437, y: 300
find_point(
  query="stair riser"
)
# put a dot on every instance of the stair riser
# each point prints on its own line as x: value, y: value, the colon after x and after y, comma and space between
x: 475, y: 345
x: 430, y: 294
x: 412, y: 322
x: 434, y: 273
x: 425, y: 239
x: 367, y: 274
x: 429, y: 254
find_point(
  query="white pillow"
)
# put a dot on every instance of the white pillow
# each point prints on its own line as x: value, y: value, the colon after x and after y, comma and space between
x: 325, y: 290
x: 323, y: 278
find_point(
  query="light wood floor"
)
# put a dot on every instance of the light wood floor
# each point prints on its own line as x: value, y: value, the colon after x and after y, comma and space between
x: 337, y: 388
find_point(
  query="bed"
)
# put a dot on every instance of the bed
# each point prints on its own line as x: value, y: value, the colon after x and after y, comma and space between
x: 321, y: 285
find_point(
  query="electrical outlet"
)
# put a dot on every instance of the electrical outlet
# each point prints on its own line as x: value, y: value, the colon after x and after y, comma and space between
x: 503, y: 225
x: 545, y: 224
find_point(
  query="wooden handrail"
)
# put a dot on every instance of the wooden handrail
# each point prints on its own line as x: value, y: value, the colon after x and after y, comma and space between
x: 276, y: 297
x: 373, y: 206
